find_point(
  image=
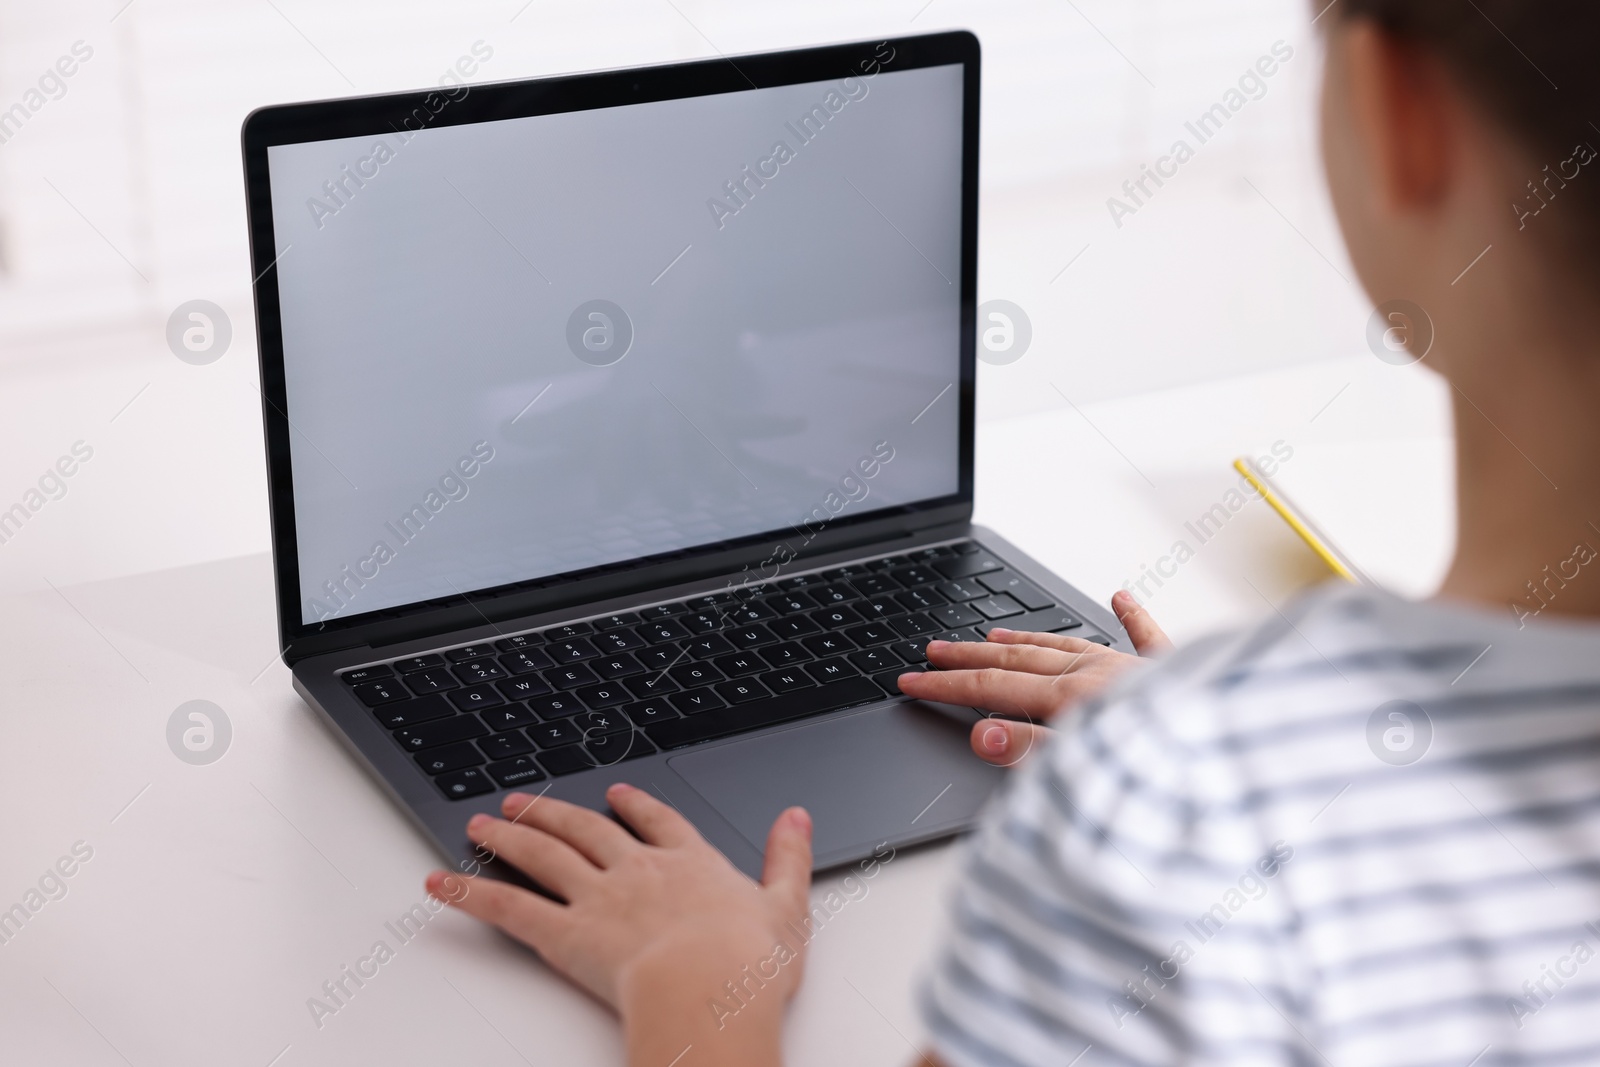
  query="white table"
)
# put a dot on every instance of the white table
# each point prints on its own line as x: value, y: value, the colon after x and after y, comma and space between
x: 220, y: 898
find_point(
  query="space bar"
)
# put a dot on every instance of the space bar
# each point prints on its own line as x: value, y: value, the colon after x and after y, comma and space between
x: 797, y: 705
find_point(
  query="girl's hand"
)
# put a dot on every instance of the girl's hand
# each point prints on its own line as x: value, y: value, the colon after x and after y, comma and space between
x: 1030, y: 677
x: 654, y: 927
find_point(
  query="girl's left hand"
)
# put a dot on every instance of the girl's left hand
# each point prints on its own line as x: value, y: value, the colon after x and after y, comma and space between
x: 654, y: 927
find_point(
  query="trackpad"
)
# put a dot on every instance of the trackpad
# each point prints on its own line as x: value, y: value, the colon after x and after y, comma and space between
x: 894, y: 773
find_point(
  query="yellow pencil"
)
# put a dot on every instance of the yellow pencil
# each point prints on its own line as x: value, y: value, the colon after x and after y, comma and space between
x: 1336, y: 560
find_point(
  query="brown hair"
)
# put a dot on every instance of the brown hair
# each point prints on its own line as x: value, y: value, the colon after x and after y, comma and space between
x: 1530, y: 64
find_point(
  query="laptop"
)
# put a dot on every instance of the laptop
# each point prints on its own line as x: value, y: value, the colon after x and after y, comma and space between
x: 619, y: 427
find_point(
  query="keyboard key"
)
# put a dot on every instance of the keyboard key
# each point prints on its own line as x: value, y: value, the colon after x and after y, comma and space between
x: 872, y: 634
x: 740, y: 663
x: 790, y: 603
x: 412, y: 712
x: 651, y: 686
x: 443, y: 732
x: 555, y: 734
x: 662, y: 657
x: 1099, y: 639
x: 708, y: 645
x: 504, y: 746
x: 748, y: 637
x: 785, y: 708
x: 592, y: 723
x: 750, y: 613
x: 879, y: 607
x: 555, y: 707
x: 914, y: 652
x: 969, y: 566
x: 458, y: 785
x: 1048, y: 621
x: 658, y: 612
x: 571, y: 677
x: 833, y: 618
x: 955, y: 616
x: 519, y: 642
x: 920, y: 599
x: 696, y: 702
x: 915, y: 575
x: 850, y: 571
x: 789, y: 655
x: 877, y: 585
x: 892, y: 562
x: 806, y: 582
x: 831, y: 670
x: 829, y: 595
x: 449, y: 758
x: 509, y: 717
x: 367, y: 674
x: 478, y: 670
x: 787, y: 681
x: 873, y: 660
x: 523, y: 688
x: 691, y: 675
x: 607, y: 749
x: 573, y: 651
x: 613, y: 667
x: 664, y: 630
x: 434, y: 681
x: 515, y: 772
x: 828, y: 644
x: 701, y: 622
x: 462, y: 655
x: 479, y: 696
x: 568, y: 760
x: 527, y: 659
x: 961, y: 591
x: 615, y: 622
x: 1023, y: 591
x: 997, y: 607
x: 914, y: 625
x: 741, y: 691
x: 605, y: 695
x: 928, y: 555
x: 648, y: 711
x: 568, y: 632
x: 617, y: 641
x: 383, y: 691
x: 889, y: 681
x: 418, y: 663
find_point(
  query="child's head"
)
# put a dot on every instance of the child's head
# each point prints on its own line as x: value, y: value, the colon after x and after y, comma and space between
x: 1450, y: 126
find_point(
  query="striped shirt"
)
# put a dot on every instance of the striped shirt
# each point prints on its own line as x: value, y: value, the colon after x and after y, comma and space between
x: 1366, y: 832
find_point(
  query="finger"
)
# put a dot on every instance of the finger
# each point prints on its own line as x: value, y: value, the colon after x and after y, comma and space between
x: 1064, y: 642
x: 787, y: 870
x: 1148, y: 638
x: 526, y: 916
x: 1005, y: 743
x: 1022, y: 657
x: 546, y: 859
x: 1030, y: 696
x: 593, y: 835
x: 657, y: 823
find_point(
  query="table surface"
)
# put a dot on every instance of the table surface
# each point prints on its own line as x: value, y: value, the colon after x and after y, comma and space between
x: 218, y: 899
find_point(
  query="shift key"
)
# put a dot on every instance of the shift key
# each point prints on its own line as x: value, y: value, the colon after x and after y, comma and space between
x: 1050, y: 620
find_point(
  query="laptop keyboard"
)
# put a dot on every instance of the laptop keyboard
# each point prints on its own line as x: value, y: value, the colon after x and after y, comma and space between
x: 588, y: 694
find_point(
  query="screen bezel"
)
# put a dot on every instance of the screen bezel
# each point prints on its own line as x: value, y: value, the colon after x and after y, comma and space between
x: 377, y: 115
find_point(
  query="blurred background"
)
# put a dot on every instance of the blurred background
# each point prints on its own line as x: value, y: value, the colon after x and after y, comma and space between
x: 1222, y: 309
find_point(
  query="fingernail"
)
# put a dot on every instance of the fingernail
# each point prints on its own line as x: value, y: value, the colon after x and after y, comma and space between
x: 995, y: 740
x: 998, y: 630
x: 936, y: 643
x: 619, y: 787
x: 519, y: 798
x: 477, y: 823
x: 799, y: 818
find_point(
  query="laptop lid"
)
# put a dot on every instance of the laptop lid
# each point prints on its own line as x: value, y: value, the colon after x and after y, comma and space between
x: 532, y: 344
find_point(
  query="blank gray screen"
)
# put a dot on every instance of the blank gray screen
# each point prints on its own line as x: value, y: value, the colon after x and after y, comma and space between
x: 460, y: 418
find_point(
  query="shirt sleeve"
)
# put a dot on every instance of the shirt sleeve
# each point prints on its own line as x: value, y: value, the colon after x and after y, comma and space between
x: 1079, y: 925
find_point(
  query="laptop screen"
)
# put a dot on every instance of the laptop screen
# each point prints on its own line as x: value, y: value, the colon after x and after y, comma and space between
x: 532, y: 346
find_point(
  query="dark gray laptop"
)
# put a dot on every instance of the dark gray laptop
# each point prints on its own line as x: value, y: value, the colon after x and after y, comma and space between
x: 620, y: 427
